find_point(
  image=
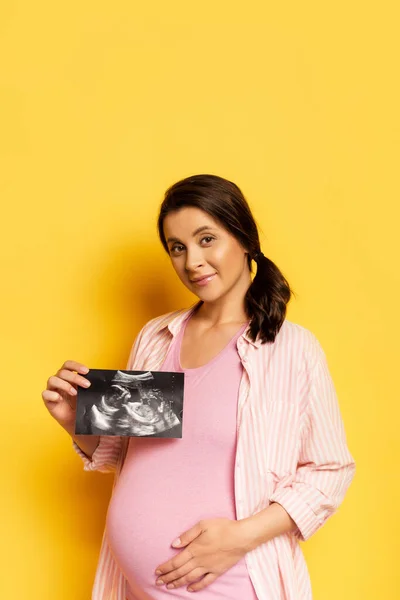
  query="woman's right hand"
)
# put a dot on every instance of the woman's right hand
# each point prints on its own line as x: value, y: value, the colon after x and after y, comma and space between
x: 61, y: 392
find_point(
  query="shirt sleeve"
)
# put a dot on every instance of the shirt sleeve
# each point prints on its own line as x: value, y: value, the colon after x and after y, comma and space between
x: 325, y: 468
x: 105, y: 457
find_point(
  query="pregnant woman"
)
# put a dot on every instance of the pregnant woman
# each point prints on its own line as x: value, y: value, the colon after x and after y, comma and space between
x: 263, y: 460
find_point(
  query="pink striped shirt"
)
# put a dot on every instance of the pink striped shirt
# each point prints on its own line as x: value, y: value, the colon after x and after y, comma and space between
x: 291, y: 449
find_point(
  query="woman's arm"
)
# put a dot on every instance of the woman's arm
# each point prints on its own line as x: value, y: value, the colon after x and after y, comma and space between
x: 87, y: 443
x: 265, y: 525
x: 105, y: 456
x: 101, y: 453
x: 326, y: 467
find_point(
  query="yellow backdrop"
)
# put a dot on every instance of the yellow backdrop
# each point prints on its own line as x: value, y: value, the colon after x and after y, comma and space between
x: 103, y: 105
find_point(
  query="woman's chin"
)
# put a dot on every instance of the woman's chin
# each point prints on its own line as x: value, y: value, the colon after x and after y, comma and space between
x: 208, y: 296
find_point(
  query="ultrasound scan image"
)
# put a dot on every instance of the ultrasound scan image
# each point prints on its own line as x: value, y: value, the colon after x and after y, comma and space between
x: 131, y: 403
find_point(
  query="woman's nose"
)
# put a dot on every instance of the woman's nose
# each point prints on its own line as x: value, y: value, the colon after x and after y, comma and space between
x: 194, y: 260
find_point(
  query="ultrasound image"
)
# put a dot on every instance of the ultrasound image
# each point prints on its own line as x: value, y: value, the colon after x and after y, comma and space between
x: 131, y: 403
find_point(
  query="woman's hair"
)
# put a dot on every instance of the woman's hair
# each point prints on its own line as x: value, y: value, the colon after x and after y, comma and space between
x: 269, y: 292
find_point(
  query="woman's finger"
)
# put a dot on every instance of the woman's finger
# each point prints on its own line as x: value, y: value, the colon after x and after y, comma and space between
x: 60, y: 395
x: 191, y: 577
x: 73, y: 378
x: 73, y: 365
x: 49, y: 396
x: 55, y: 383
x: 204, y: 582
x: 175, y: 563
x: 54, y: 400
x: 177, y: 574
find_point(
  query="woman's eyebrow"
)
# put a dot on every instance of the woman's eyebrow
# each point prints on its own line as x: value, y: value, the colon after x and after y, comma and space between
x: 195, y: 232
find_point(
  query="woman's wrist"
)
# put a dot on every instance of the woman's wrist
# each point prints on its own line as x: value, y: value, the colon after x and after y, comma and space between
x: 265, y: 525
x: 87, y: 443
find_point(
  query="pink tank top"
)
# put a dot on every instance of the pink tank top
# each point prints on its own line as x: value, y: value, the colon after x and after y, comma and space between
x: 167, y: 484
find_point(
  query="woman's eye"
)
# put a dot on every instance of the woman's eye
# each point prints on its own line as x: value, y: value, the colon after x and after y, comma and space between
x: 178, y: 247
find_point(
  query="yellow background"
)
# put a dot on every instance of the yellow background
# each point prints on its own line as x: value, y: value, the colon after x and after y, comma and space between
x: 104, y: 105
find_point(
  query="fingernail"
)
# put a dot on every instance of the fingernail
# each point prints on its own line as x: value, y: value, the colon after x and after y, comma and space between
x: 176, y: 542
x: 159, y: 582
x: 170, y: 586
x: 84, y: 370
x: 86, y: 383
x: 158, y: 572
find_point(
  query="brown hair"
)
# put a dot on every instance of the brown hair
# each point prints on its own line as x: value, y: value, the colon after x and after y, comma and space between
x: 269, y: 292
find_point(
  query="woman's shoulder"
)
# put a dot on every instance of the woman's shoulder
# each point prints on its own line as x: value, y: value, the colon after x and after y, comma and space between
x: 300, y: 341
x: 153, y: 333
x: 161, y: 322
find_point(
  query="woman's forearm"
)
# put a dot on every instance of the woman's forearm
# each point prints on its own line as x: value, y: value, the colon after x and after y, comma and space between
x: 265, y: 525
x: 87, y: 443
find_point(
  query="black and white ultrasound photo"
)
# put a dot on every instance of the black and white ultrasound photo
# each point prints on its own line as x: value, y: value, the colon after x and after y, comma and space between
x: 131, y: 403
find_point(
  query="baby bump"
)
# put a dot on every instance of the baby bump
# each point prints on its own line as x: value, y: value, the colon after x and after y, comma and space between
x: 140, y: 528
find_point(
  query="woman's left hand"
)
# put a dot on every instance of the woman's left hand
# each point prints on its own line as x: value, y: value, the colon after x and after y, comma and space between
x: 212, y: 547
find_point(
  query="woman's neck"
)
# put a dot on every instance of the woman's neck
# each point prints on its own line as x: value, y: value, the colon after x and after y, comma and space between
x: 223, y: 311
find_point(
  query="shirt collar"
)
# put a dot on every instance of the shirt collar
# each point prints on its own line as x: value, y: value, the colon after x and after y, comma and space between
x: 176, y: 320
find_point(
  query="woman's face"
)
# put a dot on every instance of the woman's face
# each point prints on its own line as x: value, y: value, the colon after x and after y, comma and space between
x: 198, y: 246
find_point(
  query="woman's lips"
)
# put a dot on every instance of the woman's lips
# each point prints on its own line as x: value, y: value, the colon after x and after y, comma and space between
x: 204, y: 281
